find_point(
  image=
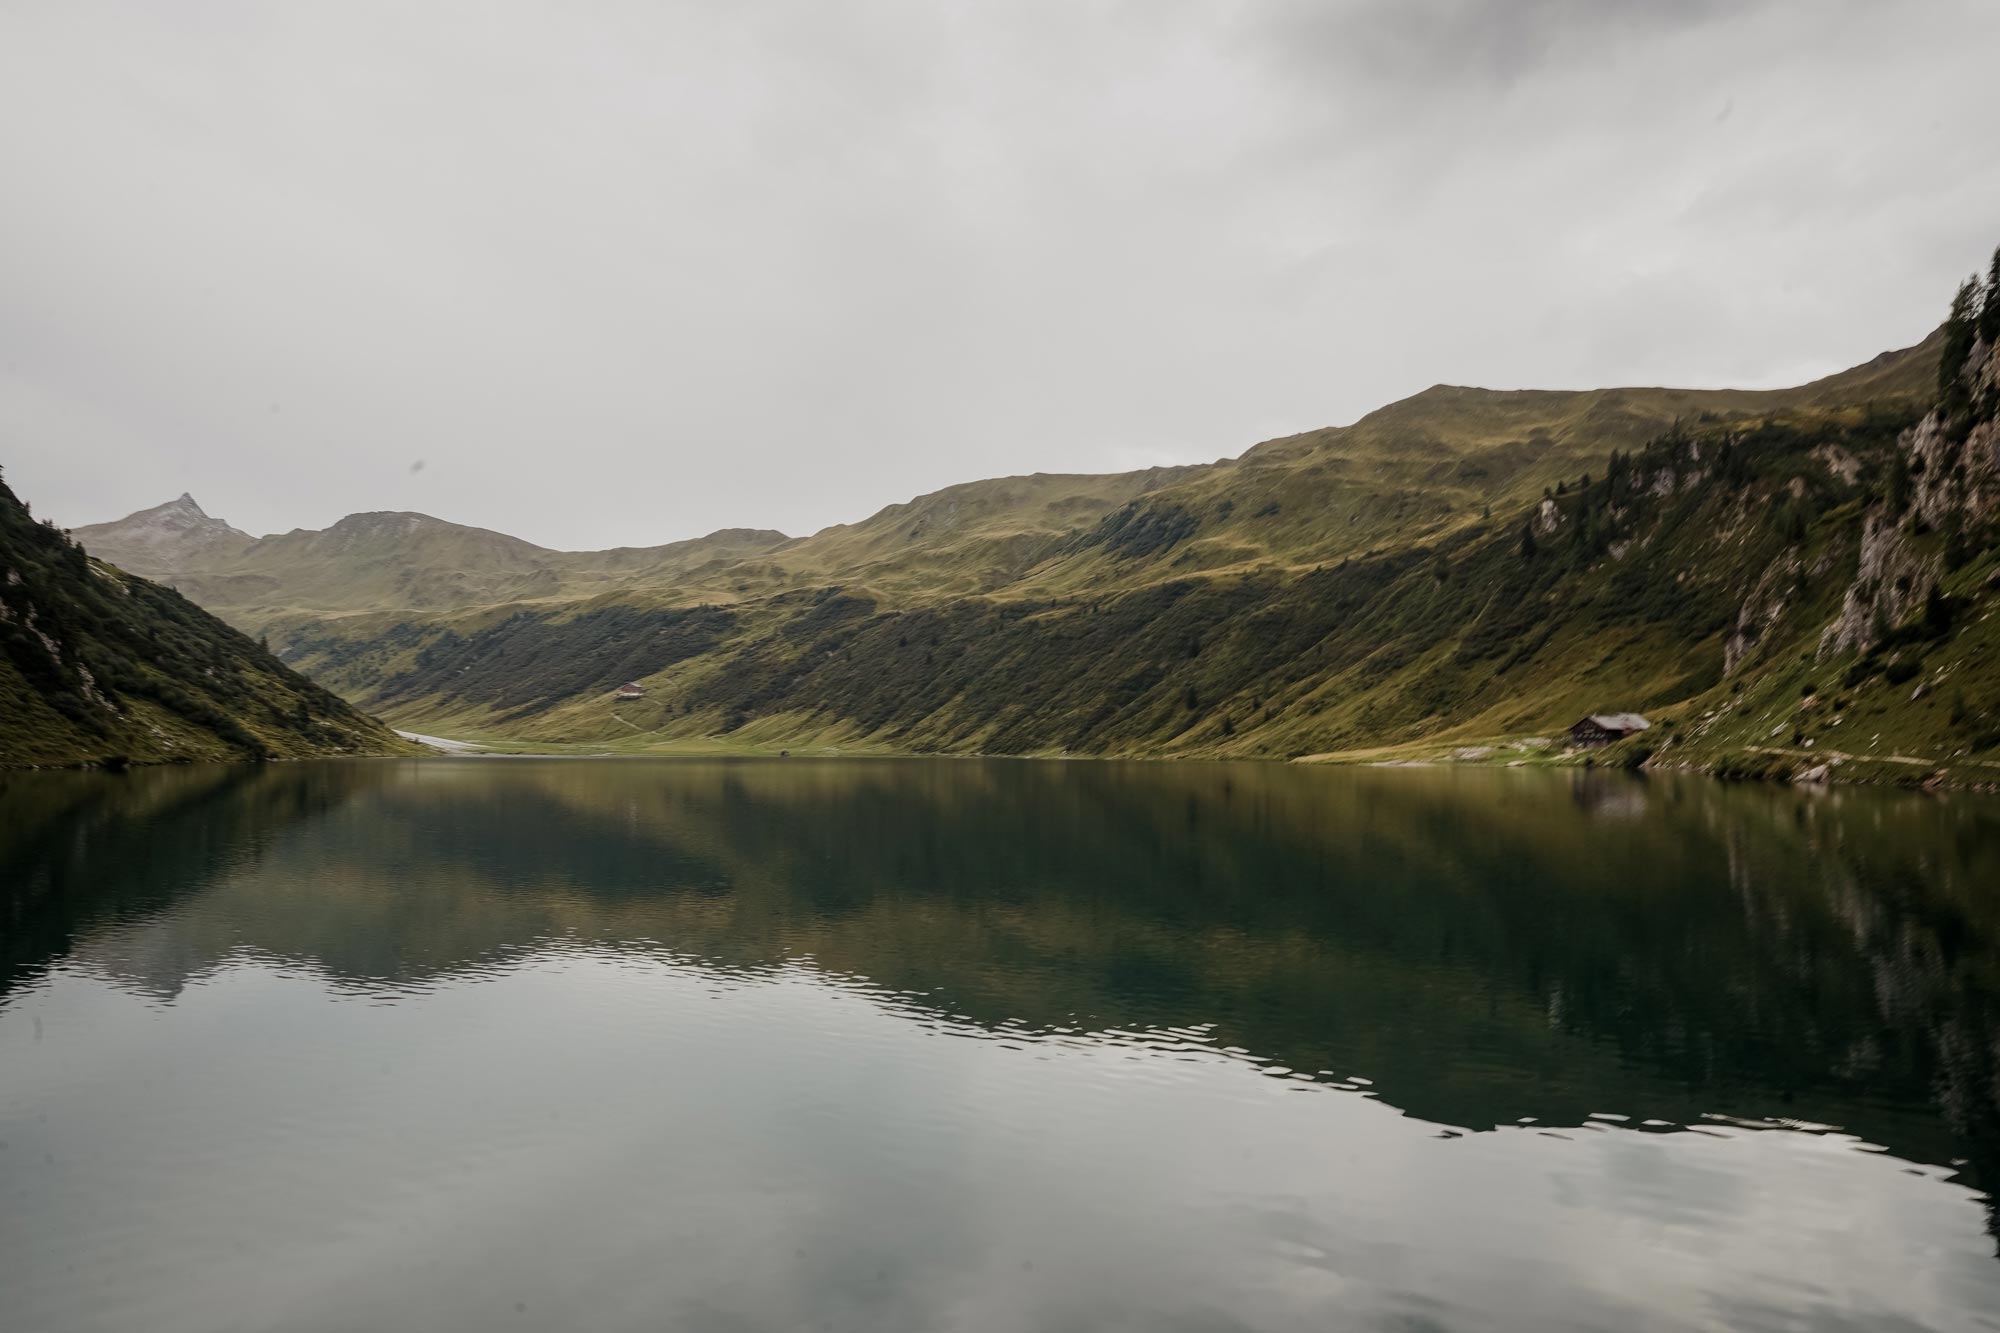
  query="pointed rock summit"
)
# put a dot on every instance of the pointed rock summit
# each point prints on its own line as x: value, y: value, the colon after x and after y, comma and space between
x: 158, y: 542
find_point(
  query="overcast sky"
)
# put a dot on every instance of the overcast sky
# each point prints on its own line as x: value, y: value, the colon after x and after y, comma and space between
x: 619, y: 273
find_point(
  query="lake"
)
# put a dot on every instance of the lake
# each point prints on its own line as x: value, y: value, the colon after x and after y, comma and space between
x: 478, y: 1044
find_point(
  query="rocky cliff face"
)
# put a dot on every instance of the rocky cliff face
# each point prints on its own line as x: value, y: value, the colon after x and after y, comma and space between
x: 1762, y: 610
x: 1946, y: 482
x: 1954, y: 458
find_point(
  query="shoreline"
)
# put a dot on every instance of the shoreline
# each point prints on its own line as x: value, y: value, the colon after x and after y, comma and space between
x: 1753, y: 764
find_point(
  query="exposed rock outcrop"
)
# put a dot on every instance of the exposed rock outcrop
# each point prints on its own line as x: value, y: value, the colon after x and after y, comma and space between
x: 1955, y: 463
x: 1950, y: 484
x: 1761, y: 610
x: 1890, y: 582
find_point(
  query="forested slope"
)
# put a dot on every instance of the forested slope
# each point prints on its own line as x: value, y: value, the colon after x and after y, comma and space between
x: 100, y: 665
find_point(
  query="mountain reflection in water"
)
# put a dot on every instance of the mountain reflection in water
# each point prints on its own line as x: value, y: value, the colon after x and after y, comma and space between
x: 1578, y: 953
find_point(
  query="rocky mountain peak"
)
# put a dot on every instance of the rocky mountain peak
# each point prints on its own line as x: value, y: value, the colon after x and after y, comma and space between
x: 157, y: 541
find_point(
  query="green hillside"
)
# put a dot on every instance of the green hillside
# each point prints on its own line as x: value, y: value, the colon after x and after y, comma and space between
x: 100, y: 665
x: 1410, y: 472
x: 1782, y: 578
x: 1695, y: 580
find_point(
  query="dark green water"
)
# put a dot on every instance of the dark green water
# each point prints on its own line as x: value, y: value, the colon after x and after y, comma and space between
x: 484, y: 1044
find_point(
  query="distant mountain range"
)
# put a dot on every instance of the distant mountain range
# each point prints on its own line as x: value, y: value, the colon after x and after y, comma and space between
x: 1428, y: 465
x: 1774, y: 576
x: 382, y: 561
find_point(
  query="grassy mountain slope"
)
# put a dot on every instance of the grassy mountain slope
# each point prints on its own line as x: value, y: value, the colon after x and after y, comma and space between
x: 1358, y: 587
x: 1635, y: 594
x: 96, y: 663
x: 1437, y: 462
x: 1463, y: 568
x: 1429, y: 465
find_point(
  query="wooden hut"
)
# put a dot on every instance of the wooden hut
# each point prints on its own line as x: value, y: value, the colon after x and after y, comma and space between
x: 1604, y: 728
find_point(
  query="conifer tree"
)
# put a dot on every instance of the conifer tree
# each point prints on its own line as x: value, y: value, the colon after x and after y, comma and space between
x: 1989, y: 311
x: 1959, y: 332
x: 1898, y: 488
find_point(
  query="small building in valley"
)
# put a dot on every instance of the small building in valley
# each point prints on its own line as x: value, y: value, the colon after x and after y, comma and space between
x: 631, y: 690
x: 1604, y: 728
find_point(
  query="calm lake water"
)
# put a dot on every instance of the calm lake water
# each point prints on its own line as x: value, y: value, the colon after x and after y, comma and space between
x: 913, y: 1045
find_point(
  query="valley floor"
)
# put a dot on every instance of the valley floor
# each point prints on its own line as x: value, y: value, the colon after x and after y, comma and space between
x: 1748, y: 762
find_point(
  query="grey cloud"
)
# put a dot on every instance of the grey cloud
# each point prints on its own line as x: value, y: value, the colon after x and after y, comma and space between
x: 1435, y: 45
x: 625, y: 272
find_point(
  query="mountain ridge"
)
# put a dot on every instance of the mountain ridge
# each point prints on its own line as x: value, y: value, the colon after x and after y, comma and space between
x: 981, y: 536
x: 400, y: 559
x: 1461, y: 568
